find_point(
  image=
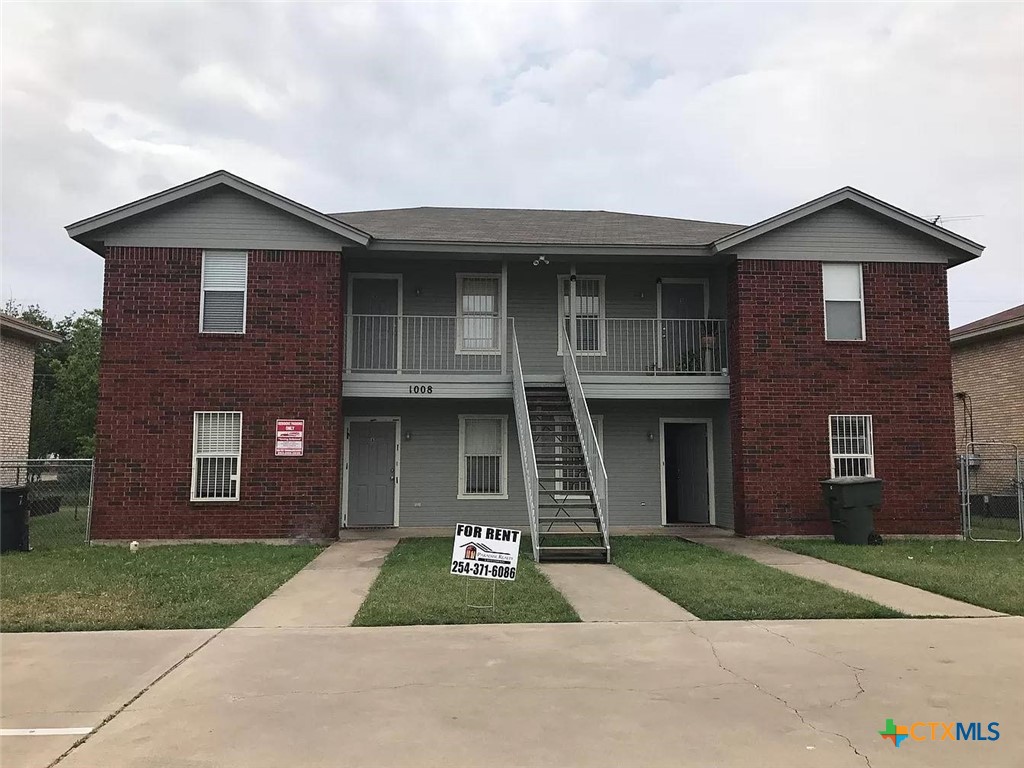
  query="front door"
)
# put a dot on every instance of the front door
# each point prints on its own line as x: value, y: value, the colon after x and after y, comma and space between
x: 687, y: 490
x: 371, y: 473
x: 374, y: 330
x: 680, y: 340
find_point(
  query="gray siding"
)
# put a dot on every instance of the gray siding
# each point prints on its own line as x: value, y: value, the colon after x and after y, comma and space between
x: 222, y: 218
x: 630, y: 291
x: 429, y: 471
x: 429, y: 461
x: 634, y: 463
x: 845, y: 232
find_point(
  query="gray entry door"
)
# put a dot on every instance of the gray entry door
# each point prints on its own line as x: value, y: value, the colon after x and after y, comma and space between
x: 371, y: 473
x: 374, y: 324
x: 687, y: 491
x: 680, y: 341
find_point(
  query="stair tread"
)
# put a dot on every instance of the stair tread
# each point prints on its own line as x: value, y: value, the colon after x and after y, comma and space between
x: 564, y: 519
x: 576, y: 505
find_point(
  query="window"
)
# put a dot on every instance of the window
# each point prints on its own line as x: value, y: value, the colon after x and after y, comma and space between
x: 216, y: 455
x: 850, y: 446
x: 483, y: 470
x: 479, y: 303
x: 222, y: 309
x: 844, y: 302
x: 588, y: 313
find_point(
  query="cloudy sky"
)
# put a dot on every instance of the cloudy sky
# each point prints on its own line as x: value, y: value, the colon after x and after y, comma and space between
x: 727, y: 112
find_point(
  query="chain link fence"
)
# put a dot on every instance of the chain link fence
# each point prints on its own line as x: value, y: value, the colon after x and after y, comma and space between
x: 991, y: 492
x: 58, y: 497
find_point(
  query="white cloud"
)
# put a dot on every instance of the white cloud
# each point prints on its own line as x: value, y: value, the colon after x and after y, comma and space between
x: 729, y: 111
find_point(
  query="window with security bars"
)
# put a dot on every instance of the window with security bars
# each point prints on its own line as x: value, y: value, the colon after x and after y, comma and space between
x: 217, y: 455
x: 482, y: 451
x: 479, y: 309
x: 588, y: 313
x: 851, y: 448
x: 225, y: 274
x: 843, y: 291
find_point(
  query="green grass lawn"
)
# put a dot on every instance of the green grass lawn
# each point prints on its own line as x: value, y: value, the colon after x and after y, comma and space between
x: 986, y: 574
x: 415, y: 587
x: 185, y: 586
x: 65, y: 528
x: 716, y: 585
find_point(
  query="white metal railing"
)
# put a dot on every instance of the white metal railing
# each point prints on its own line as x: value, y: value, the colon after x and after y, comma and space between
x: 588, y: 438
x: 531, y: 479
x: 654, y: 347
x: 425, y: 344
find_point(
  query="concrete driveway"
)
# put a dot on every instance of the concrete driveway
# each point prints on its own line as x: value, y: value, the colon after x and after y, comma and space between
x: 803, y: 693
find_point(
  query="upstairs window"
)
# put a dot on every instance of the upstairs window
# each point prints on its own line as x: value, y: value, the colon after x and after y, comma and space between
x: 225, y: 275
x: 483, y: 469
x: 216, y: 455
x: 479, y: 303
x: 587, y: 314
x: 844, y: 302
x: 851, y: 446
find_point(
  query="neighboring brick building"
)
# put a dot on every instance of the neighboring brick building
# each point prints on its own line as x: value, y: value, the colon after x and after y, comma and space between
x: 18, y: 342
x: 716, y: 372
x: 988, y: 379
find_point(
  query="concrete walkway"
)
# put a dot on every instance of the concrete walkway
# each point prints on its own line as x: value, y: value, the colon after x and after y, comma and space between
x: 607, y: 593
x: 801, y: 694
x: 327, y: 592
x: 901, y: 597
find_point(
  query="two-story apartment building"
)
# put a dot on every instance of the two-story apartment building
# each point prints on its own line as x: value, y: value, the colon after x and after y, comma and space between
x: 563, y: 370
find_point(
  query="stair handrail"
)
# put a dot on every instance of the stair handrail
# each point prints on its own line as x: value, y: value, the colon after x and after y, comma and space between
x: 531, y: 477
x: 588, y: 436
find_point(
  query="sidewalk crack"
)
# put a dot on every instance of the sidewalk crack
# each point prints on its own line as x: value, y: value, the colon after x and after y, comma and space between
x: 799, y: 715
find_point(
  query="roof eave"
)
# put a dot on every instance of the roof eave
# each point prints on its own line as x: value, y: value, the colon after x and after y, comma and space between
x: 14, y: 327
x: 81, y: 230
x: 442, y: 246
x: 991, y: 330
x: 969, y: 248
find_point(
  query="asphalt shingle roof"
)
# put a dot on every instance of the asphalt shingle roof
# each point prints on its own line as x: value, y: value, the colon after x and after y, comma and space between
x: 1014, y: 313
x: 534, y: 227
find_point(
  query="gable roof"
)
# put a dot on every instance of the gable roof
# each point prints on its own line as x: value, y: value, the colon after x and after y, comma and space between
x: 986, y: 326
x: 81, y: 231
x: 526, y: 226
x: 969, y: 248
x: 14, y: 326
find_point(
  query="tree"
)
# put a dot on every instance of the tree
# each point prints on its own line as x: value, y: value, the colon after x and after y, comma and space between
x: 65, y: 385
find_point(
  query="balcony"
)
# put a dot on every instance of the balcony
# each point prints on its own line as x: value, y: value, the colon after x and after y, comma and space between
x: 448, y: 356
x: 651, y: 347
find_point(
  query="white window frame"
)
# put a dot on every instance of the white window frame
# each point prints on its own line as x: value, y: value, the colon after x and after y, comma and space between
x: 462, y: 494
x: 825, y: 299
x: 602, y: 338
x: 869, y: 456
x: 225, y: 455
x: 459, y: 338
x: 202, y: 292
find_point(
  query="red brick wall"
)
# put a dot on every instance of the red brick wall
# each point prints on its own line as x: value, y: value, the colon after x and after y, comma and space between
x: 157, y: 369
x: 787, y: 380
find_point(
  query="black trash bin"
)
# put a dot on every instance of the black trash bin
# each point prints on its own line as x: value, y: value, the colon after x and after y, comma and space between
x: 14, y: 519
x: 851, y: 503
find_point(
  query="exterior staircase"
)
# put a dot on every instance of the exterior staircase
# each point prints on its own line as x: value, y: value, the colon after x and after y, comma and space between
x: 570, y: 528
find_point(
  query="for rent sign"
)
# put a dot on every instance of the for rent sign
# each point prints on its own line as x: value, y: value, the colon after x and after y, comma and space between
x: 484, y: 552
x: 290, y: 436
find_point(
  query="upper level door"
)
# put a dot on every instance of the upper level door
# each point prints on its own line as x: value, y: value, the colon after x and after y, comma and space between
x: 375, y: 323
x: 680, y: 301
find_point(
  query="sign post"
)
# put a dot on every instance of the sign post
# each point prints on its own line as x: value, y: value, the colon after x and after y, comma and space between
x: 485, y: 552
x: 290, y: 436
